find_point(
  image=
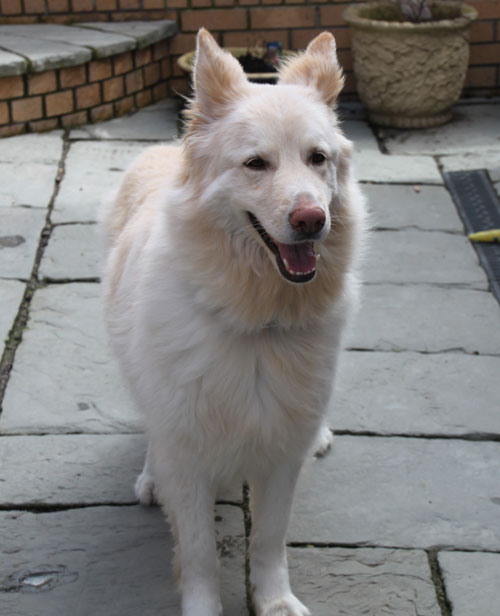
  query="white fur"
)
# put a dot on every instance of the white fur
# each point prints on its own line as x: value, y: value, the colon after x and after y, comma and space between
x: 230, y: 383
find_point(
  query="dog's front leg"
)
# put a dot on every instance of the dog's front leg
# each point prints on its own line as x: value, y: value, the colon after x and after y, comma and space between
x: 272, y: 497
x: 188, y: 497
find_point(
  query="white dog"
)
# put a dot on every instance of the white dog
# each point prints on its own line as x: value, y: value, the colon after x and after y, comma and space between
x: 225, y: 320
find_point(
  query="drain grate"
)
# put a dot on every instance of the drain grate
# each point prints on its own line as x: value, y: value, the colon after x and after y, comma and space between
x: 479, y: 209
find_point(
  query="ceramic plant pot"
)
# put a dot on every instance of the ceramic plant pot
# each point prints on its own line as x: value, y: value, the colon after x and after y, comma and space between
x: 409, y: 75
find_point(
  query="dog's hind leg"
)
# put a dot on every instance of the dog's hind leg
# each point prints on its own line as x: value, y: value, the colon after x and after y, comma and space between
x: 271, y: 503
x: 145, y: 485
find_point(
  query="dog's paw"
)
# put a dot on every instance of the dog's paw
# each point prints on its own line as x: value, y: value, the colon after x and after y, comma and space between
x: 323, y: 442
x: 286, y: 606
x: 145, y: 490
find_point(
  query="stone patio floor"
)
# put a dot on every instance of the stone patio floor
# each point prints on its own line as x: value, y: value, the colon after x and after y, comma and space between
x: 401, y: 518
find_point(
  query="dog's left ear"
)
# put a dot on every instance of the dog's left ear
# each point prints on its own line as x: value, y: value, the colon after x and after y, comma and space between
x: 317, y: 67
x: 218, y: 76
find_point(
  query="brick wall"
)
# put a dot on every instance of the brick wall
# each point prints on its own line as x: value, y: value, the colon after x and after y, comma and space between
x: 91, y: 92
x: 242, y: 22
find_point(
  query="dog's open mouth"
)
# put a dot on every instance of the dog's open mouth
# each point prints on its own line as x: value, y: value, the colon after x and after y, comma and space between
x: 296, y: 262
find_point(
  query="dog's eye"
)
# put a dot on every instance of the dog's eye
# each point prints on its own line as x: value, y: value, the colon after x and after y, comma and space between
x: 257, y: 163
x: 318, y: 158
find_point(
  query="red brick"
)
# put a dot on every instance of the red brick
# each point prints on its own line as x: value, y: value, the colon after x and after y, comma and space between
x: 134, y: 81
x: 488, y: 9
x: 34, y: 6
x: 10, y: 87
x: 160, y: 91
x: 252, y: 37
x: 80, y: 6
x: 112, y: 89
x: 227, y: 2
x: 122, y: 63
x: 248, y: 2
x: 302, y: 38
x: 176, y: 4
x: 153, y: 4
x: 481, y: 77
x: 74, y: 119
x: 180, y: 86
x: 215, y: 19
x: 142, y: 56
x: 166, y: 68
x: 143, y: 98
x: 58, y: 6
x: 72, y: 76
x: 182, y: 43
x: 41, y: 126
x: 124, y: 106
x: 59, y: 103
x: 332, y: 15
x: 272, y: 2
x: 161, y: 50
x: 484, y: 54
x: 26, y: 109
x: 88, y: 96
x: 201, y: 3
x: 283, y: 17
x: 106, y: 5
x: 40, y: 83
x: 152, y: 73
x: 101, y: 113
x: 11, y: 7
x: 12, y: 129
x: 100, y: 69
x: 4, y: 113
x: 482, y: 32
x: 129, y: 4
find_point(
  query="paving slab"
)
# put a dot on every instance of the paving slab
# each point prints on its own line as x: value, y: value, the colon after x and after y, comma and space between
x: 100, y: 44
x: 73, y: 253
x: 11, y: 294
x: 489, y: 160
x: 474, y: 129
x: 43, y: 148
x: 70, y: 469
x: 65, y: 378
x: 369, y: 581
x: 429, y: 208
x: 20, y: 230
x: 143, y: 32
x: 361, y: 135
x: 426, y: 318
x: 400, y: 492
x: 11, y: 64
x: 93, y: 171
x: 413, y: 393
x: 157, y: 122
x: 27, y: 184
x: 412, y: 256
x: 472, y: 581
x: 106, y: 561
x: 372, y: 166
x: 44, y: 55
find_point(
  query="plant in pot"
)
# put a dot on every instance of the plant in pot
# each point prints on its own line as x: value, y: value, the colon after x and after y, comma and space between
x: 410, y: 58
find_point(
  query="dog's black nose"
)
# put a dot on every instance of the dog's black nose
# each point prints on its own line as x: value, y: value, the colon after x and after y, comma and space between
x: 307, y: 219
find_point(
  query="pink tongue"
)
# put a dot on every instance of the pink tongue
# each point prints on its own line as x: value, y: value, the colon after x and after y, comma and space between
x: 298, y: 258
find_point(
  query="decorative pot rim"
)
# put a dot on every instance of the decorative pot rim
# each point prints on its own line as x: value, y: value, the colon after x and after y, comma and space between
x: 352, y: 16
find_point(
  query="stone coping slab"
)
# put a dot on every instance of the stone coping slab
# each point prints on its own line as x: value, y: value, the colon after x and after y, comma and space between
x: 106, y: 561
x: 400, y: 492
x: 472, y: 581
x: 416, y: 394
x: 42, y: 47
x: 65, y: 378
x: 370, y: 581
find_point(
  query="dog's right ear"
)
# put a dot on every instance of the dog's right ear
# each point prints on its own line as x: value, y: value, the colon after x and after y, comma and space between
x: 218, y: 76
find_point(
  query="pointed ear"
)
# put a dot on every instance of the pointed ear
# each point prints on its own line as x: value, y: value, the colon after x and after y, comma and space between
x: 218, y: 76
x: 317, y: 67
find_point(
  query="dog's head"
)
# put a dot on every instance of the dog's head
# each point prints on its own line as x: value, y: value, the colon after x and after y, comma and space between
x: 268, y: 160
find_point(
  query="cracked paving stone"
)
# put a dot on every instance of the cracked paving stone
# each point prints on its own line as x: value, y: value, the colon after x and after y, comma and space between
x: 429, y: 208
x: 370, y: 581
x: 400, y: 492
x: 93, y: 170
x: 64, y: 377
x: 415, y: 394
x: 106, y: 561
x: 411, y: 256
x: 426, y: 318
x: 73, y: 253
x: 11, y: 294
x: 70, y: 469
x: 472, y: 581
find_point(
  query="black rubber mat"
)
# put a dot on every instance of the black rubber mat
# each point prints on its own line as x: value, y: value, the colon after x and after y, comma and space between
x: 479, y: 208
